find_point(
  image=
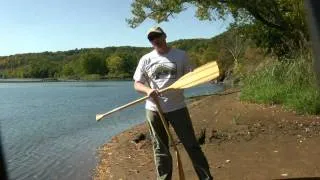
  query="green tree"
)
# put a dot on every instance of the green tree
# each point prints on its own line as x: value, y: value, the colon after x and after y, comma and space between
x: 67, y: 70
x: 116, y: 64
x: 278, y: 25
x: 92, y: 63
x: 194, y: 59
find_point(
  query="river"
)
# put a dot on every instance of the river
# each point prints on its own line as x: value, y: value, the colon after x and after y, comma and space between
x: 49, y: 130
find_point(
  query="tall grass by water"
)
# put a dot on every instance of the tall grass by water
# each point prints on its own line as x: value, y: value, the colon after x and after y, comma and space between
x: 291, y: 84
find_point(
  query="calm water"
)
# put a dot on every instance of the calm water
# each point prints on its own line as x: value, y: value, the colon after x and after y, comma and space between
x: 49, y: 129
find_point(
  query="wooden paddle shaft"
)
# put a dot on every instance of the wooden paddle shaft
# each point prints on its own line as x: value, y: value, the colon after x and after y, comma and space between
x: 100, y: 116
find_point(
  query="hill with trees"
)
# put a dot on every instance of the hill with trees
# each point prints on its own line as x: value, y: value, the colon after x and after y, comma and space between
x: 106, y: 63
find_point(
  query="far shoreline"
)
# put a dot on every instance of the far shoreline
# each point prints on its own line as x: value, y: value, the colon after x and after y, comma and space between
x: 34, y: 80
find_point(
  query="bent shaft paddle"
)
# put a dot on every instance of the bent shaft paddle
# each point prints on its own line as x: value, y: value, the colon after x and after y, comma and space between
x: 200, y: 75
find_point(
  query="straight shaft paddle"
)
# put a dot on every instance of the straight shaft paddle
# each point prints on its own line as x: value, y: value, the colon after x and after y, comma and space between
x: 200, y: 75
x: 166, y: 127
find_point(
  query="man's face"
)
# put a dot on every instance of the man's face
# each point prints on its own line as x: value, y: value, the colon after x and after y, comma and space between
x: 158, y: 41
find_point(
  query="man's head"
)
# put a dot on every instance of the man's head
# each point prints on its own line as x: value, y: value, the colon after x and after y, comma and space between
x: 157, y: 38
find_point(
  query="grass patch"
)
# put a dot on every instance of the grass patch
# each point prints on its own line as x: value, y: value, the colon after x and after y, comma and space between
x: 291, y: 84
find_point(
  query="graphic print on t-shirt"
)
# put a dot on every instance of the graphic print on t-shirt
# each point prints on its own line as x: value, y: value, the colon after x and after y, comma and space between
x: 167, y: 70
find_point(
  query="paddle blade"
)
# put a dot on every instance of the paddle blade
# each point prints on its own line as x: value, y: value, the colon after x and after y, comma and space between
x: 198, y: 76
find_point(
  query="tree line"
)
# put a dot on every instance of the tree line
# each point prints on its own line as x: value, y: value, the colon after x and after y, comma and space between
x: 108, y: 63
x: 72, y: 64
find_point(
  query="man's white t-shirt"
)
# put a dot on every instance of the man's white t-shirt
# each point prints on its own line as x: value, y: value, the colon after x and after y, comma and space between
x: 160, y: 71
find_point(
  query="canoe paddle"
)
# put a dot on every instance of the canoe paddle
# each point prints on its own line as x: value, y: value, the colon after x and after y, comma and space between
x: 200, y: 75
x: 165, y: 125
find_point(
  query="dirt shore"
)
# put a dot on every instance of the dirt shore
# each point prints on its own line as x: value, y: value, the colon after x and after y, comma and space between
x: 240, y: 140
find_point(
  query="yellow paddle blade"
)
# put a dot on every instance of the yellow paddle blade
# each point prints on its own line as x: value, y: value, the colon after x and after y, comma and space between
x: 198, y: 76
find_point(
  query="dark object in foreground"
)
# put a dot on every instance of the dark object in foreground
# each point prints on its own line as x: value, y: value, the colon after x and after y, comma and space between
x: 202, y: 137
x: 139, y: 138
x: 313, y: 17
x: 3, y: 169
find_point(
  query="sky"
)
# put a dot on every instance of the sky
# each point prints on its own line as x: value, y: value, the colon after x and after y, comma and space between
x: 59, y: 25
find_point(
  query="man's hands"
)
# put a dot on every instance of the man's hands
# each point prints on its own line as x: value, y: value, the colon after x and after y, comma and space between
x: 153, y: 93
x: 140, y: 87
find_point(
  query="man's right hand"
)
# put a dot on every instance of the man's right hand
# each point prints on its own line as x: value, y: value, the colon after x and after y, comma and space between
x: 153, y: 93
x: 140, y: 87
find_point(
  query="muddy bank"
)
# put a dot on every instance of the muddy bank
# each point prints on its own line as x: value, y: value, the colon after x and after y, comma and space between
x: 240, y: 140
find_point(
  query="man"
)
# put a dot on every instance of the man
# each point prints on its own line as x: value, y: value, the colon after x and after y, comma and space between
x: 156, y: 70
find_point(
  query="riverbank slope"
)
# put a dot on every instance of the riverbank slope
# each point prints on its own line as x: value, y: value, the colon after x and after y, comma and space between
x: 241, y: 141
